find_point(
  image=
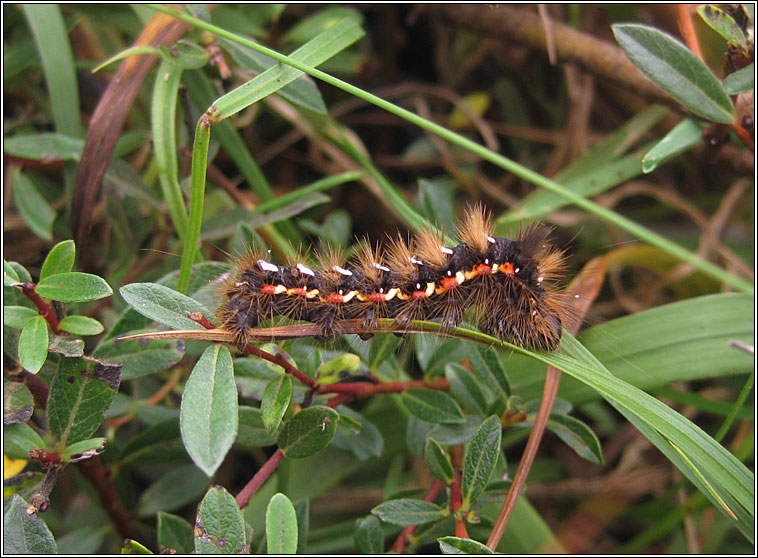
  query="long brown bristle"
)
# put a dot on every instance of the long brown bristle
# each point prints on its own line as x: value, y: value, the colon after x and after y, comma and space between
x: 475, y: 228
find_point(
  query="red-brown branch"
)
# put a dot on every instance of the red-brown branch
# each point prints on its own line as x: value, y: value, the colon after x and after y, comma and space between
x: 364, y: 389
x: 247, y: 493
x: 45, y: 310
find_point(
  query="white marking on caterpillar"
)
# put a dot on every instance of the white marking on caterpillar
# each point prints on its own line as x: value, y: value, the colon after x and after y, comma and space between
x: 305, y: 270
x: 342, y: 270
x: 267, y: 266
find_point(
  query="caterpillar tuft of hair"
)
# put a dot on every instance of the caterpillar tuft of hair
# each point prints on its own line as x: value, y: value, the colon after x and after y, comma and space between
x: 509, y: 284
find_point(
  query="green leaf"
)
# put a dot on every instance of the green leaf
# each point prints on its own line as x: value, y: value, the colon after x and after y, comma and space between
x: 32, y: 344
x: 281, y: 526
x: 18, y: 403
x: 338, y: 369
x: 74, y: 287
x: 175, y: 533
x: 34, y: 209
x: 133, y: 547
x: 209, y: 415
x: 186, y: 54
x: 675, y: 69
x: 302, y: 92
x: 683, y: 137
x: 368, y: 535
x: 276, y: 399
x: 81, y: 325
x: 308, y: 432
x: 162, y: 304
x: 19, y: 439
x: 45, y: 147
x: 336, y: 38
x: 407, y: 511
x: 457, y: 545
x: 83, y: 449
x: 24, y: 533
x: 432, y: 406
x: 67, y: 346
x: 456, y: 434
x: 723, y: 24
x: 578, y: 436
x: 54, y: 47
x: 180, y: 486
x: 479, y: 463
x: 383, y: 345
x: 80, y: 393
x: 18, y: 316
x: 9, y: 275
x: 466, y: 388
x: 219, y: 527
x: 741, y: 81
x: 252, y: 433
x: 141, y: 357
x: 438, y: 461
x: 364, y: 442
x: 485, y: 361
x: 60, y: 259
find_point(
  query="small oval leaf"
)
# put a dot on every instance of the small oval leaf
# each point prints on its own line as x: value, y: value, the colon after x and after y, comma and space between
x: 432, y: 406
x: 60, y: 259
x: 677, y: 70
x: 457, y: 545
x: 438, y: 461
x: 81, y: 325
x: 162, y: 304
x: 219, y: 527
x: 276, y: 399
x: 407, y: 511
x: 209, y: 416
x: 18, y: 316
x: 578, y: 436
x: 281, y: 526
x: 74, y: 287
x: 368, y: 535
x: 479, y: 463
x: 308, y: 432
x: 24, y: 533
x: 32, y: 344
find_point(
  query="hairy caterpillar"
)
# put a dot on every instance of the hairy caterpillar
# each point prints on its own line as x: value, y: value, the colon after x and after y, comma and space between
x: 508, y: 283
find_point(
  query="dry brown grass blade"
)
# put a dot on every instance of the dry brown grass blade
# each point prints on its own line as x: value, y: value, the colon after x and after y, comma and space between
x: 108, y: 118
x: 581, y: 292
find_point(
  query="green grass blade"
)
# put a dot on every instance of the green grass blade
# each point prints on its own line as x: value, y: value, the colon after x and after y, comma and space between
x: 46, y: 23
x: 197, y: 201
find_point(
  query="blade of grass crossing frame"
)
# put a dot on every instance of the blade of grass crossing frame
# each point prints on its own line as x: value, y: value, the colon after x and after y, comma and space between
x: 531, y: 176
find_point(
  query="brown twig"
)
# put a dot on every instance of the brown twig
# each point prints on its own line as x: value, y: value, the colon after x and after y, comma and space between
x: 524, y: 26
x: 45, y: 309
x: 247, y: 493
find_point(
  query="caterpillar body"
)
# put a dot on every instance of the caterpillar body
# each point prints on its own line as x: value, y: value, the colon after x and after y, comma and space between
x: 509, y: 284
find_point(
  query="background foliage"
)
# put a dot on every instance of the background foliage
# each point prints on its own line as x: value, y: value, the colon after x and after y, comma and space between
x: 167, y: 433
